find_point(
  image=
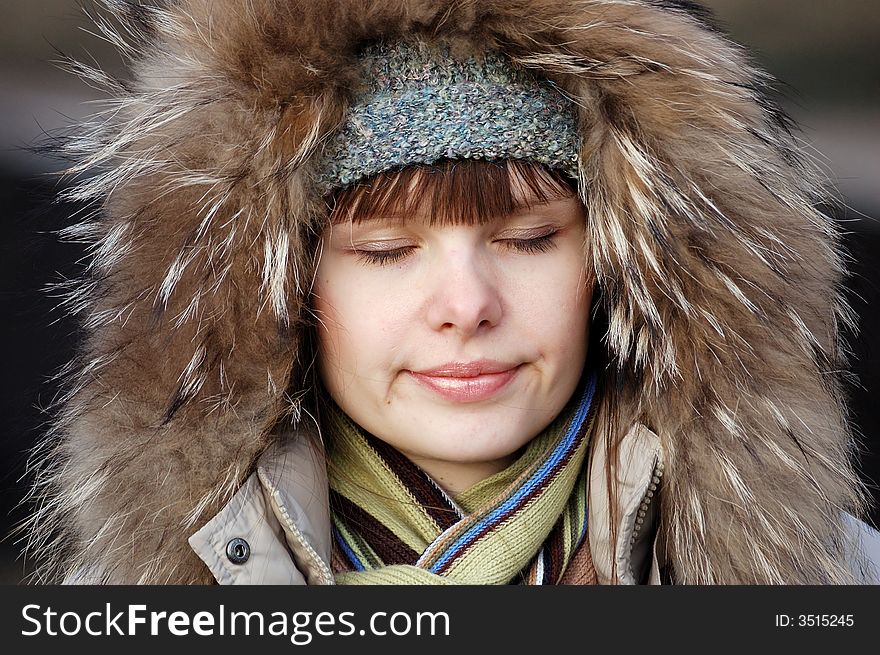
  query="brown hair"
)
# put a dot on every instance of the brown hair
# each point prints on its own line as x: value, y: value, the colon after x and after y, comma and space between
x: 473, y: 192
x: 456, y: 192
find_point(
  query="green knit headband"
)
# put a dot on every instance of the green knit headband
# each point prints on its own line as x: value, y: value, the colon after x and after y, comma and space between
x: 421, y: 104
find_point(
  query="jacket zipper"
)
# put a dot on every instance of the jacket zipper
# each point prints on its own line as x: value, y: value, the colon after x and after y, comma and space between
x: 656, y: 476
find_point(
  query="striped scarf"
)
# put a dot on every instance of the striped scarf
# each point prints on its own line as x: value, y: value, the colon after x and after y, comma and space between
x: 527, y: 524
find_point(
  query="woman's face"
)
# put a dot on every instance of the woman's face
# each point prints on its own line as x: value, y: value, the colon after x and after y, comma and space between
x: 455, y: 344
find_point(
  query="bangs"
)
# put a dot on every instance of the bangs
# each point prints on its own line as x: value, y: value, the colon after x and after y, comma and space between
x: 451, y: 192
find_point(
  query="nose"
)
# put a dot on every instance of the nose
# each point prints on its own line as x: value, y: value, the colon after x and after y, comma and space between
x: 465, y: 296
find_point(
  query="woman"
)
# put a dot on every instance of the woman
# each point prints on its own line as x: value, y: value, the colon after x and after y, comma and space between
x: 451, y: 293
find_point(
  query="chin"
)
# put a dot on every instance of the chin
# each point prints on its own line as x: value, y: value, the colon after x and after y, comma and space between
x: 474, y: 450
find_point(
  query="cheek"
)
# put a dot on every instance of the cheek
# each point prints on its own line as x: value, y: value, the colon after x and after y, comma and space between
x: 559, y: 309
x: 357, y: 332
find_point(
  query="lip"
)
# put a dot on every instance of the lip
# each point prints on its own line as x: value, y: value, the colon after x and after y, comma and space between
x: 465, y: 382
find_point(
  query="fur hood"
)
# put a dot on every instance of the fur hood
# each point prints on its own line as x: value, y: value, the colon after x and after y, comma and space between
x: 719, y: 277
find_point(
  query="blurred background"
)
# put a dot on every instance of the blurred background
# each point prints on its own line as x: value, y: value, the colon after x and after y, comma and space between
x: 824, y: 53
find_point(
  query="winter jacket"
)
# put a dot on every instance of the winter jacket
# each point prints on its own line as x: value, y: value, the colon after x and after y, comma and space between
x: 720, y: 281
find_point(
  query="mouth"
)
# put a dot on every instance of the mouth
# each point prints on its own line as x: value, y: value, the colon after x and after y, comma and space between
x: 467, y: 382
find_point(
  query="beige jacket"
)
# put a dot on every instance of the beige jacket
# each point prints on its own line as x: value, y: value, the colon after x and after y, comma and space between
x: 276, y: 529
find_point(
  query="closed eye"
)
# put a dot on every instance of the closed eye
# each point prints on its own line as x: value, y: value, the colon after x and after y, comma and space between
x: 538, y: 244
x: 383, y: 257
x: 543, y: 243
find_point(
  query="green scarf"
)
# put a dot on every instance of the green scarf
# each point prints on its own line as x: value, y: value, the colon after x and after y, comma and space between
x: 393, y: 524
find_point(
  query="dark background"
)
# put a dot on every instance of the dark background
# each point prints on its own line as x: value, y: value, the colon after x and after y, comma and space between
x: 825, y: 52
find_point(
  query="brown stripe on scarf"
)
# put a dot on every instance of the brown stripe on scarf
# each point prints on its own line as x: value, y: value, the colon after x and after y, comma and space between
x: 580, y: 570
x: 419, y: 484
x: 555, y: 547
x: 385, y: 543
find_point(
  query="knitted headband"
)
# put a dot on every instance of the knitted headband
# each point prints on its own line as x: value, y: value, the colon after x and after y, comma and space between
x: 422, y: 103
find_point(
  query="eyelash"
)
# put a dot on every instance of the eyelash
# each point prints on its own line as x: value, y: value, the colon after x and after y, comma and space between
x: 388, y: 257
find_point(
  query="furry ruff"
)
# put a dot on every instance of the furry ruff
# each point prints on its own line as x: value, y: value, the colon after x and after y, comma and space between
x: 720, y: 278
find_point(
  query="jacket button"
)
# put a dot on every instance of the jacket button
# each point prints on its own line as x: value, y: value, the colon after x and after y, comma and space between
x: 238, y: 550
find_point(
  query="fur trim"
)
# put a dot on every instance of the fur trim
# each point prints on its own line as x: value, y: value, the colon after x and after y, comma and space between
x: 720, y: 278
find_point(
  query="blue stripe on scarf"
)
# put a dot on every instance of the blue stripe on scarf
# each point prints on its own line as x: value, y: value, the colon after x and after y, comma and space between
x: 510, y: 504
x: 348, y: 551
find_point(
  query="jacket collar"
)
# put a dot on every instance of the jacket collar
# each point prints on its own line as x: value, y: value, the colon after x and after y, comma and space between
x: 638, y: 475
x: 282, y: 515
